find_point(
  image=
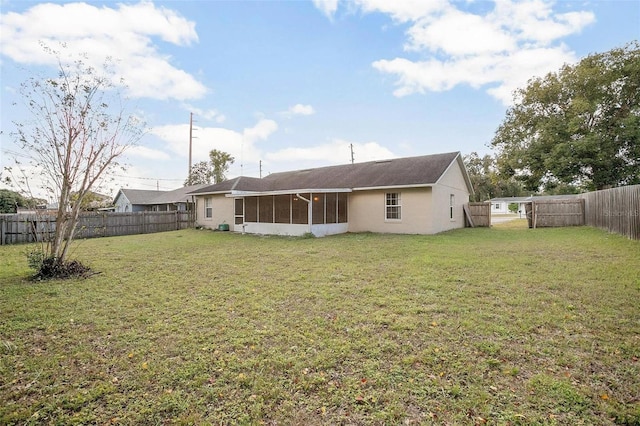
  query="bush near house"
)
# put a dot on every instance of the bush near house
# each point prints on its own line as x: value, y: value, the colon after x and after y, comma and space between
x: 499, y: 326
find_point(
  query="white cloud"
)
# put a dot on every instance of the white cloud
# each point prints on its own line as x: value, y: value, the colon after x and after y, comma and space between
x: 328, y: 7
x: 338, y: 151
x: 125, y: 33
x: 241, y: 145
x: 403, y: 10
x: 148, y: 153
x: 206, y: 114
x: 458, y: 33
x: 500, y: 49
x: 299, y: 109
x: 261, y: 131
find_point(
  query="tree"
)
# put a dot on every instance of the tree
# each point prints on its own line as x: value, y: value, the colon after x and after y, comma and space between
x: 579, y: 126
x: 220, y: 162
x: 486, y: 181
x: 216, y: 168
x: 201, y: 173
x: 78, y: 132
x: 10, y: 201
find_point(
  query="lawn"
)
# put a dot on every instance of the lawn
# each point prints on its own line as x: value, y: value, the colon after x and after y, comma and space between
x: 477, y: 326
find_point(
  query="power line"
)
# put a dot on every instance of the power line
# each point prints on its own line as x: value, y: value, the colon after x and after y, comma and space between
x: 147, y: 178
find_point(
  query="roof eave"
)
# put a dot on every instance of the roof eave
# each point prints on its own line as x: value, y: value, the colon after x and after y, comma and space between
x: 285, y: 192
x: 417, y: 185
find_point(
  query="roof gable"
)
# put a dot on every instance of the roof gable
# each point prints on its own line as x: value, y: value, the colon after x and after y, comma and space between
x: 140, y: 196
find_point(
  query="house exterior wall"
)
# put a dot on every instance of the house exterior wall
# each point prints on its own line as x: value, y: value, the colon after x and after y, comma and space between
x: 123, y: 205
x: 367, y: 211
x: 502, y: 207
x: 222, y: 211
x: 423, y: 210
x: 451, y: 183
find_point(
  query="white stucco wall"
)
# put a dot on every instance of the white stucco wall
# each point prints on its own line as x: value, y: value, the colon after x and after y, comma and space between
x: 222, y: 211
x: 451, y: 182
x: 367, y: 211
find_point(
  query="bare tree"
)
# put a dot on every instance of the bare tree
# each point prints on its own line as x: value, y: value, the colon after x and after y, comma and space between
x: 77, y: 133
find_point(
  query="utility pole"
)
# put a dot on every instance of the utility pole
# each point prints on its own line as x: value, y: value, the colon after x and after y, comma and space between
x: 351, y: 146
x: 190, y: 145
x: 260, y: 169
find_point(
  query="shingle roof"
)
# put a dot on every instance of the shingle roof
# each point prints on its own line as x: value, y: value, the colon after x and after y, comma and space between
x: 150, y: 197
x: 422, y: 170
x: 140, y: 196
x: 177, y: 195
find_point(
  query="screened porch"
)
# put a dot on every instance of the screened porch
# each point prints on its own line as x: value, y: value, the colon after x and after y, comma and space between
x: 319, y: 213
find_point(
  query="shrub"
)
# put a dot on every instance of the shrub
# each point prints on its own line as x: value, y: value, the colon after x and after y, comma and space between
x: 52, y: 267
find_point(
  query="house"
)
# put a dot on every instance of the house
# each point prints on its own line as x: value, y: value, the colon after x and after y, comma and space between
x: 501, y: 205
x: 414, y: 195
x: 139, y: 200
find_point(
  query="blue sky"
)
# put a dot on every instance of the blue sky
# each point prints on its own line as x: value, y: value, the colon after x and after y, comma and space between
x: 293, y: 84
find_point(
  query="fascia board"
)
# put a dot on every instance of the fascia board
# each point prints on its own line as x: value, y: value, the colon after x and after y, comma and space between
x: 372, y: 188
x: 285, y: 192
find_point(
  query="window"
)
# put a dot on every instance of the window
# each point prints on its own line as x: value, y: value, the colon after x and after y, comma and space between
x: 393, y: 206
x: 496, y: 206
x: 452, y: 202
x: 208, y: 209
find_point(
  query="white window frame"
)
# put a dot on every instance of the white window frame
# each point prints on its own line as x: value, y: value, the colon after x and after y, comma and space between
x: 208, y: 208
x: 397, y: 207
x: 452, y: 203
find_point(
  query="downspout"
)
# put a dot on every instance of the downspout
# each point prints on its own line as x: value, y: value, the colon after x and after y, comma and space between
x: 309, y: 210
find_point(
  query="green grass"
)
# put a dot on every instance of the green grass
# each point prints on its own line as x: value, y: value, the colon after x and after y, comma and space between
x: 500, y: 326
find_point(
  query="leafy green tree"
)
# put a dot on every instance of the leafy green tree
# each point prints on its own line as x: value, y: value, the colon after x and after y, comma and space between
x: 579, y: 126
x: 220, y: 162
x: 201, y: 173
x: 10, y: 201
x: 486, y: 181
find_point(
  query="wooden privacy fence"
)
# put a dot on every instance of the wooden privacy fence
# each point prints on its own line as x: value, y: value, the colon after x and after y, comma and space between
x: 553, y: 213
x: 477, y: 214
x: 615, y: 210
x: 26, y: 228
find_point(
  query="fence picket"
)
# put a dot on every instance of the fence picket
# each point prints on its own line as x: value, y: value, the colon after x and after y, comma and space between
x: 18, y: 228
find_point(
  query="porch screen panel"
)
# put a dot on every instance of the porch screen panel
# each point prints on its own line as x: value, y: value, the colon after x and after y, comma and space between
x: 332, y: 207
x: 342, y: 207
x: 251, y: 209
x: 266, y: 209
x: 282, y: 208
x: 318, y: 208
x: 239, y: 213
x: 300, y: 209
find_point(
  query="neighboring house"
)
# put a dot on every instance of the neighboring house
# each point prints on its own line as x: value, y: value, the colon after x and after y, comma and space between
x: 139, y: 200
x: 501, y: 205
x: 414, y: 195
